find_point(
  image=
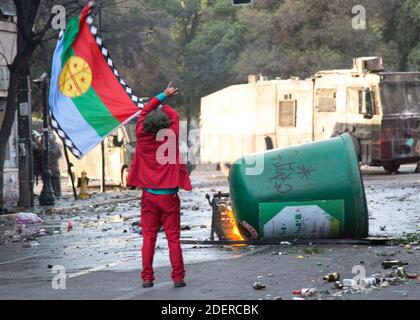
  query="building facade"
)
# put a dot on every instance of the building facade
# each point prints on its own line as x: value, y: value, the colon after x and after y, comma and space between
x: 8, y: 37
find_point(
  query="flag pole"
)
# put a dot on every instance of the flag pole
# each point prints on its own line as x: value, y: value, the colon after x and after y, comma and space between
x: 69, y: 165
x: 103, y: 183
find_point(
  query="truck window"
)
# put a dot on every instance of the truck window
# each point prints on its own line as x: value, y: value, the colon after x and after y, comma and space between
x: 356, y: 100
x: 326, y: 100
x: 401, y: 97
x: 413, y: 97
x: 287, y: 113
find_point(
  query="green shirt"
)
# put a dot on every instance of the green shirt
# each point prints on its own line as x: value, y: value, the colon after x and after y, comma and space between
x: 162, y: 191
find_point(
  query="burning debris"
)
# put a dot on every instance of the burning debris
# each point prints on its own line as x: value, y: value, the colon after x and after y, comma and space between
x: 224, y: 223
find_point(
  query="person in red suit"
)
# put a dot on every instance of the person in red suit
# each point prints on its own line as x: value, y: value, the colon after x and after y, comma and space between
x: 160, y: 175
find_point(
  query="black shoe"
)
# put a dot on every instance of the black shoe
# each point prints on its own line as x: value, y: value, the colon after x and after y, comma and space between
x: 147, y: 284
x: 179, y: 284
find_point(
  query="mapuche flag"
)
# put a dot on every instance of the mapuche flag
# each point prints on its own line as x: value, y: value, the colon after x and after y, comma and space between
x: 88, y: 99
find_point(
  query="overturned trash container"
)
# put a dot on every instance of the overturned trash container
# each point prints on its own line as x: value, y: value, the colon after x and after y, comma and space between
x: 311, y: 191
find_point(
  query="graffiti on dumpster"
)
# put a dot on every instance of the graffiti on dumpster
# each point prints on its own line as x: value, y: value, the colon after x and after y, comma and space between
x: 305, y: 172
x: 286, y: 168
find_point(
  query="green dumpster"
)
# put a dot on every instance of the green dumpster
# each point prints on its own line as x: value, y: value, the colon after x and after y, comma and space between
x: 302, y: 192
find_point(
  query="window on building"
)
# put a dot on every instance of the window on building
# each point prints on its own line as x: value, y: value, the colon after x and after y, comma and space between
x: 326, y: 100
x: 287, y: 113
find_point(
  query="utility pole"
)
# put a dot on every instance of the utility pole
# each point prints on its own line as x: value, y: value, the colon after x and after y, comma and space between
x: 26, y: 173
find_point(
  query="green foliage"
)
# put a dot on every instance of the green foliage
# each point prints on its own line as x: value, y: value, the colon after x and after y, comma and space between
x: 414, y: 59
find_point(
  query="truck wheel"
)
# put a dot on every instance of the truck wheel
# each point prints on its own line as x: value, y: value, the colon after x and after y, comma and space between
x: 392, y: 167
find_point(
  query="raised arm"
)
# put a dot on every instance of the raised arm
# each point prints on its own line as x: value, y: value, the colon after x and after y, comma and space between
x: 158, y: 100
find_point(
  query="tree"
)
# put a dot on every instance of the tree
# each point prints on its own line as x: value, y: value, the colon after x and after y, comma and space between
x: 405, y: 31
x: 211, y: 54
x: 300, y: 37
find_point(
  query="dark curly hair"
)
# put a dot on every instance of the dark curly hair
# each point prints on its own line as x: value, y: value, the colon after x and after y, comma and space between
x: 156, y: 121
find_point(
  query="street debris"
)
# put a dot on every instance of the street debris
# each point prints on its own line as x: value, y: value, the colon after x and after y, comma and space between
x: 389, y: 264
x: 307, y: 293
x: 258, y: 286
x: 27, y: 218
x: 332, y: 277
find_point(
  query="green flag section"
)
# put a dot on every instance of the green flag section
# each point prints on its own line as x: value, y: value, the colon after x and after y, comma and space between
x: 302, y: 220
x: 88, y: 98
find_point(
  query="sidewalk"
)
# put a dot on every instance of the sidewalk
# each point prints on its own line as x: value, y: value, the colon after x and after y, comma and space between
x: 233, y: 279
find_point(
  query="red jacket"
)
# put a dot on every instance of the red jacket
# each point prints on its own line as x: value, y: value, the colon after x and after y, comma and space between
x: 146, y: 171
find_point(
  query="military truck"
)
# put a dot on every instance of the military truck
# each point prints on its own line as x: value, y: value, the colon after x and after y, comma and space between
x: 381, y: 110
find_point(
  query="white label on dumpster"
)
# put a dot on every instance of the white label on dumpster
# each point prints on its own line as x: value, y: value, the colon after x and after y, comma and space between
x: 304, y: 222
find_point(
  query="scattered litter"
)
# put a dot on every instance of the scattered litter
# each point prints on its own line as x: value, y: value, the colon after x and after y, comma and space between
x: 332, y: 277
x: 338, y: 285
x: 27, y: 218
x: 69, y: 225
x: 368, y: 282
x: 349, y: 283
x: 394, y: 263
x: 307, y: 292
x: 258, y: 286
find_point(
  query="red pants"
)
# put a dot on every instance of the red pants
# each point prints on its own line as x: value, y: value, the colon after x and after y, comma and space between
x: 157, y: 210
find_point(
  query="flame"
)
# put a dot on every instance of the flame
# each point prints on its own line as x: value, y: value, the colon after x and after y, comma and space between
x: 229, y: 225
